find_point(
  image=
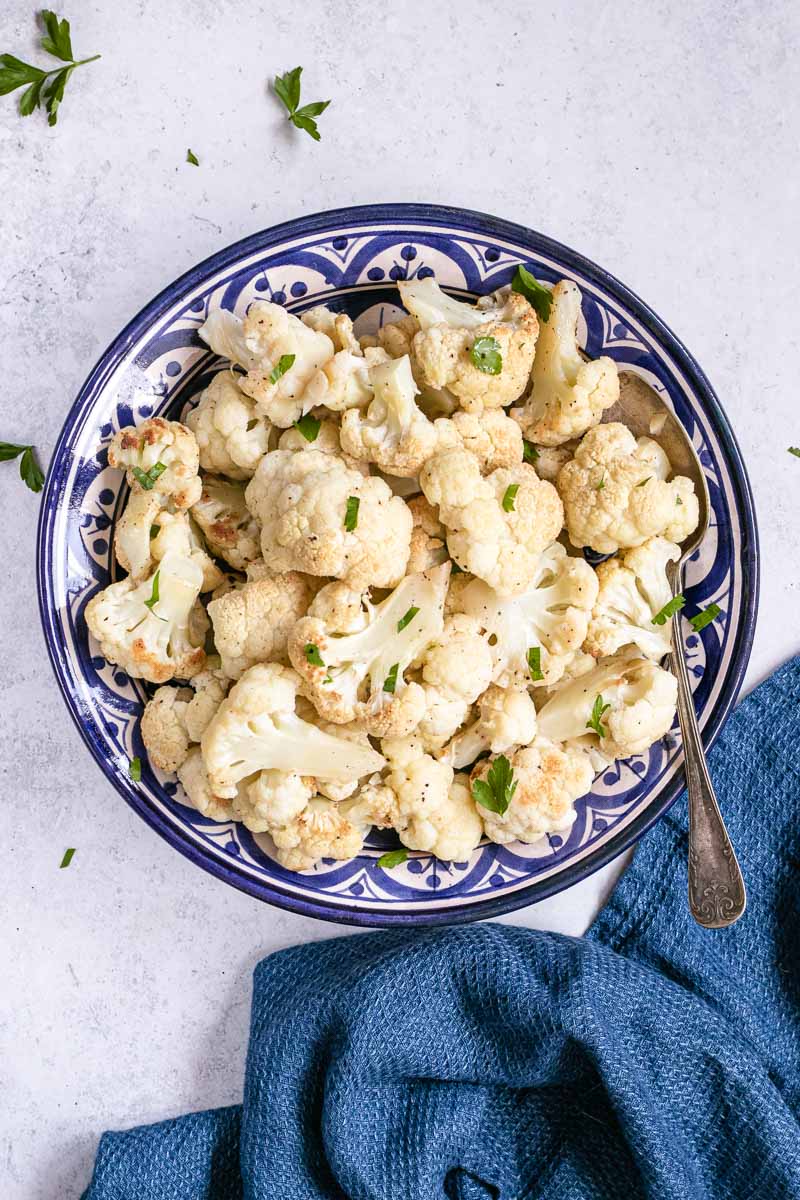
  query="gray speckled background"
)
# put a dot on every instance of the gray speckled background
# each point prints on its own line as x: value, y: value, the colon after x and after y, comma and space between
x: 659, y: 139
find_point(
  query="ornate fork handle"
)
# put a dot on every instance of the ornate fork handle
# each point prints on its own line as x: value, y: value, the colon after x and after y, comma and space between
x: 717, y: 895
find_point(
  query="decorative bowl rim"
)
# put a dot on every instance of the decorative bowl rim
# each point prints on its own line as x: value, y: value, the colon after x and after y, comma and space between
x: 448, y: 217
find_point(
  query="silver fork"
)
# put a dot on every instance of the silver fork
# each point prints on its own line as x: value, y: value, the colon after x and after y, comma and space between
x: 717, y: 895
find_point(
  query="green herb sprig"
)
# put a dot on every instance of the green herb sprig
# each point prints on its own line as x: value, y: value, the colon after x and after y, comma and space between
x: 390, y: 682
x: 407, y: 619
x: 529, y: 452
x: 795, y: 450
x: 287, y: 89
x: 538, y: 296
x: 351, y: 513
x: 497, y: 790
x: 670, y: 608
x: 534, y: 657
x: 486, y: 356
x: 43, y: 86
x: 309, y: 427
x: 705, y: 617
x: 509, y: 496
x: 147, y: 479
x: 284, y: 363
x: 192, y: 158
x: 30, y: 472
x: 313, y: 655
x: 595, y: 721
x: 392, y: 858
x: 69, y: 854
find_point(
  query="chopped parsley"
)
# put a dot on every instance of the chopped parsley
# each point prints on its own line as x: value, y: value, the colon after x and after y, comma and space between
x: 287, y: 89
x: 705, y: 617
x: 642, y: 482
x: 596, y: 719
x: 485, y: 355
x: 538, y: 296
x: 313, y: 655
x: 510, y: 496
x: 154, y: 593
x: 407, y: 619
x: 30, y: 472
x: 795, y: 450
x: 68, y: 857
x: 497, y: 790
x: 147, y: 479
x: 529, y: 452
x: 534, y: 657
x: 670, y: 608
x: 598, y: 487
x: 390, y: 682
x: 192, y: 158
x: 135, y: 769
x: 351, y: 514
x: 309, y: 427
x: 284, y: 363
x: 392, y: 858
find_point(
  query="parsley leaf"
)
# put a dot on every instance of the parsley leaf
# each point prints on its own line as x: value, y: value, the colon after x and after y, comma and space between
x: 642, y: 482
x: 40, y: 84
x: 351, y: 513
x: 595, y: 720
x: 151, y: 603
x: 192, y: 158
x: 705, y: 617
x: 392, y: 858
x: 486, y: 356
x: 534, y: 657
x: 529, y: 452
x: 68, y: 857
x: 281, y: 367
x: 287, y: 89
x: 390, y: 682
x: 30, y: 472
x: 670, y: 608
x: 795, y: 450
x: 135, y: 769
x: 509, y: 497
x: 309, y: 427
x: 598, y: 487
x: 538, y: 296
x: 407, y: 619
x: 313, y: 655
x: 497, y: 790
x: 147, y: 479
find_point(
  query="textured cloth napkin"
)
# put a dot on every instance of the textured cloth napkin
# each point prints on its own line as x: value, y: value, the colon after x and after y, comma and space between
x: 649, y: 1059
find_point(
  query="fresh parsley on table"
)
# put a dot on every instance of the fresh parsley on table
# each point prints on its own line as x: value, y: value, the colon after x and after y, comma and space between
x: 287, y: 89
x: 41, y: 86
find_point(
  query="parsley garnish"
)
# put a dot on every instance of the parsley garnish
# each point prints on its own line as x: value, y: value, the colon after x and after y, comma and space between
x: 68, y: 857
x: 486, y: 356
x: 29, y: 470
x: 642, y: 482
x: 147, y: 479
x: 192, y: 158
x: 313, y: 655
x: 795, y: 450
x: 154, y: 593
x: 670, y: 608
x: 309, y: 427
x: 281, y: 367
x: 509, y: 497
x: 392, y: 858
x: 529, y: 452
x: 47, y: 86
x: 705, y: 617
x: 390, y: 682
x: 351, y: 513
x: 497, y: 790
x: 135, y: 769
x: 539, y: 297
x: 678, y: 500
x: 598, y: 487
x: 595, y: 720
x: 534, y: 657
x: 155, y: 530
x: 407, y: 619
x: 287, y: 89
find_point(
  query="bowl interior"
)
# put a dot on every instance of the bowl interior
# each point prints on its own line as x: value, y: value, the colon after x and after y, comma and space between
x: 351, y: 261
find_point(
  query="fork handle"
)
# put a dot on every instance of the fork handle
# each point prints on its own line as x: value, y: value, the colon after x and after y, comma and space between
x: 717, y: 895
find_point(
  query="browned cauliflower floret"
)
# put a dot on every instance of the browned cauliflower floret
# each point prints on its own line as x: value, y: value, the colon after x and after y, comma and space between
x: 494, y: 439
x: 163, y: 727
x: 549, y: 779
x: 496, y: 527
x: 337, y: 326
x: 252, y: 622
x: 428, y: 546
x: 159, y: 456
x: 321, y: 517
x: 616, y: 494
x: 230, y: 529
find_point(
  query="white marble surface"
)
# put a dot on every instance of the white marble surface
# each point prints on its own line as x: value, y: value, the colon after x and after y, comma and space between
x: 658, y: 139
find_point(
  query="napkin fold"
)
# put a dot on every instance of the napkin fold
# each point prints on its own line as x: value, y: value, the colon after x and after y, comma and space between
x: 649, y: 1059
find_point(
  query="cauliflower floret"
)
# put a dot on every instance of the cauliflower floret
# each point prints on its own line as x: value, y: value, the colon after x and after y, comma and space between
x: 163, y: 727
x: 210, y: 689
x: 321, y: 830
x: 393, y: 433
x: 506, y: 720
x: 176, y: 533
x: 267, y: 335
x: 441, y: 351
x: 616, y: 494
x: 325, y: 438
x: 252, y: 622
x: 496, y: 527
x: 194, y: 777
x: 229, y: 527
x: 135, y: 530
x: 456, y: 669
x: 272, y: 800
x: 159, y: 456
x: 342, y: 382
x: 231, y: 434
x: 395, y: 337
x: 547, y: 780
x: 257, y: 729
x: 638, y: 700
x: 337, y: 326
x: 360, y: 676
x: 569, y: 394
x: 146, y: 628
x: 632, y: 592
x: 494, y: 439
x: 428, y: 547
x: 552, y: 614
x: 302, y: 501
x: 548, y: 460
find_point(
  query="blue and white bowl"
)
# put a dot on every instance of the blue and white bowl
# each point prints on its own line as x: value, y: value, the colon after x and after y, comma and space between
x: 351, y: 259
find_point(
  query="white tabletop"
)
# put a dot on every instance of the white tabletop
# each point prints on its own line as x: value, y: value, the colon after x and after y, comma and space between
x: 660, y: 140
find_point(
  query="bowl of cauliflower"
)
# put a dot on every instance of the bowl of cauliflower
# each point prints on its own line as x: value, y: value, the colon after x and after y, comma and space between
x: 356, y: 589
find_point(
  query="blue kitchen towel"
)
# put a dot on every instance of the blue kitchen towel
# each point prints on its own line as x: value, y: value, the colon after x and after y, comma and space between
x: 649, y: 1059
